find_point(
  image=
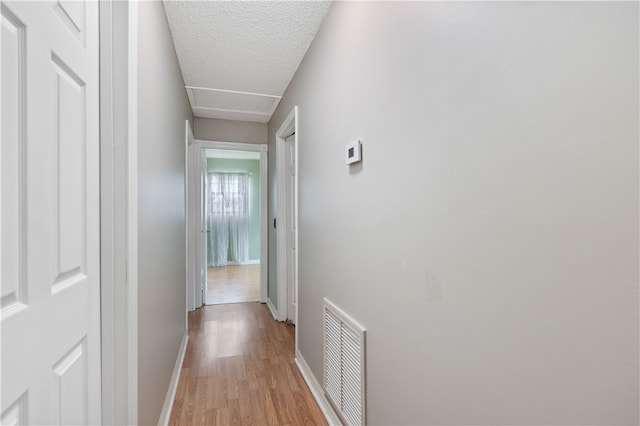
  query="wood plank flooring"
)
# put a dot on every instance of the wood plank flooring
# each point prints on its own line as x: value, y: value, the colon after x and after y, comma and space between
x: 239, y: 369
x: 233, y: 284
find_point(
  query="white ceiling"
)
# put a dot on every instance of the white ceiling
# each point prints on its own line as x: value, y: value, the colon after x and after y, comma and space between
x: 238, y: 57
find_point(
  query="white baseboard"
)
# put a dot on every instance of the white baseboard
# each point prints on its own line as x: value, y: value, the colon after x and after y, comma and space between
x: 318, y: 394
x: 165, y: 415
x: 252, y: 262
x: 273, y: 309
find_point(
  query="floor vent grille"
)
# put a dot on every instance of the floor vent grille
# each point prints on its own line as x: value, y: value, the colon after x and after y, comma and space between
x: 344, y: 364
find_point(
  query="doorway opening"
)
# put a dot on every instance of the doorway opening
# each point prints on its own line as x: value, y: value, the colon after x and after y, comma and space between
x: 227, y: 223
x: 287, y: 207
x: 232, y: 218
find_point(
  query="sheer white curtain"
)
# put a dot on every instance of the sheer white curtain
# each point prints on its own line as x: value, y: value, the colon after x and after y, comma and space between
x: 228, y: 218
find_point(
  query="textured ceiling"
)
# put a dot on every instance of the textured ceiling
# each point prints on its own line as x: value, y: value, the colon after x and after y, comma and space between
x: 237, y: 57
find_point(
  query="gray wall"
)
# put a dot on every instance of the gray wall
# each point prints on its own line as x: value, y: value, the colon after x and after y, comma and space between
x: 163, y: 108
x: 245, y: 166
x: 229, y: 131
x: 489, y: 239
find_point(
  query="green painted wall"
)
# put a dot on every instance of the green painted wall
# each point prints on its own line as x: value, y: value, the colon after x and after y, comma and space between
x: 245, y: 166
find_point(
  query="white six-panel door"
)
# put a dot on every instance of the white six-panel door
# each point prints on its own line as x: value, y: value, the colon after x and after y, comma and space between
x: 50, y: 306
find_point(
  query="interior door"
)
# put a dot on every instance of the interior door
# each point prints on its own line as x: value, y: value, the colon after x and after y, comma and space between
x: 197, y: 230
x: 290, y: 150
x: 193, y: 232
x: 50, y: 304
x: 203, y: 224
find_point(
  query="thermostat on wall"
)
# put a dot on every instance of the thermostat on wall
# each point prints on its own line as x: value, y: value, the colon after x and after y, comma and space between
x: 353, y: 152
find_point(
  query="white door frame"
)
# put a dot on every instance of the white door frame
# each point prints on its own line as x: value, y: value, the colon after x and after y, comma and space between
x: 190, y: 223
x: 194, y: 248
x: 264, y: 247
x: 288, y: 127
x: 118, y: 209
x: 201, y: 237
x: 204, y: 255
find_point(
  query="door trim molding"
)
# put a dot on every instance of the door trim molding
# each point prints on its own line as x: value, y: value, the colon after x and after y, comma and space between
x: 132, y: 215
x: 108, y: 237
x: 264, y: 243
x: 189, y: 223
x: 288, y: 127
x: 233, y: 146
x: 192, y: 180
x: 118, y: 210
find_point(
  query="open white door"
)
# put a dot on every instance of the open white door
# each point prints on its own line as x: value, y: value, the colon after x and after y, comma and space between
x: 290, y: 152
x: 191, y: 150
x: 196, y: 246
x: 286, y: 231
x: 50, y: 306
x: 199, y: 224
x: 203, y: 225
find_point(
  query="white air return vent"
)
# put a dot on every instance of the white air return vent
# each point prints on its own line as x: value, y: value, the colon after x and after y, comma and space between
x: 344, y: 364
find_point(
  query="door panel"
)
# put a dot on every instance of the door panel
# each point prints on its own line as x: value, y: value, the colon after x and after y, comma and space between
x: 68, y: 211
x: 16, y: 414
x: 50, y: 309
x: 12, y: 166
x: 72, y: 15
x: 69, y: 379
x: 205, y: 235
x: 290, y: 149
x: 203, y: 227
x: 193, y: 231
x: 197, y: 233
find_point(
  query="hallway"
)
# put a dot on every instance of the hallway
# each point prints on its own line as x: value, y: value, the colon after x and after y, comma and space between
x: 239, y: 369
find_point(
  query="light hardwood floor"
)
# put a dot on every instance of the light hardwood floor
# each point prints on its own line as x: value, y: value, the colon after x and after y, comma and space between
x: 239, y: 370
x: 233, y: 284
